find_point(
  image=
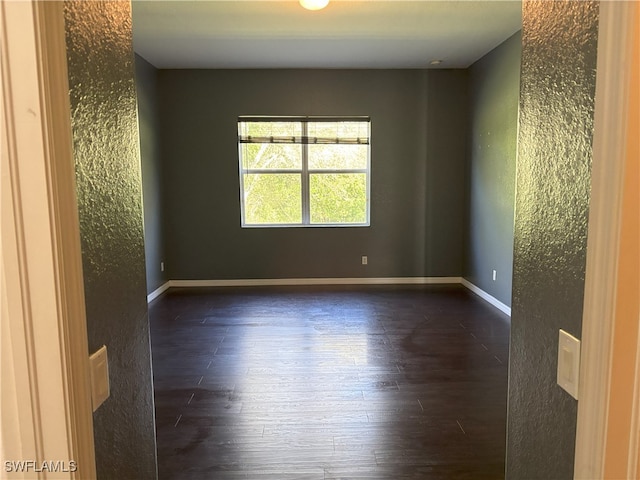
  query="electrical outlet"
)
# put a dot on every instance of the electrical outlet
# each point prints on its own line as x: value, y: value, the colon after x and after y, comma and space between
x: 162, y: 266
x: 364, y: 260
x: 495, y: 275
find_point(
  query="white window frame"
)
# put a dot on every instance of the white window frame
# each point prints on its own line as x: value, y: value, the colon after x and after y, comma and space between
x: 304, y: 171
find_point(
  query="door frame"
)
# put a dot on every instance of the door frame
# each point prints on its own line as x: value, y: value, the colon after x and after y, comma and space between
x: 45, y: 383
x: 615, y: 44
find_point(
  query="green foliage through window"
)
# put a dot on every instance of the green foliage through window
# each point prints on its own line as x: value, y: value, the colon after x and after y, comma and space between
x: 304, y: 171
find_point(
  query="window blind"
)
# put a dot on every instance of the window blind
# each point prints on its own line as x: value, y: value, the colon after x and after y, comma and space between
x: 361, y: 139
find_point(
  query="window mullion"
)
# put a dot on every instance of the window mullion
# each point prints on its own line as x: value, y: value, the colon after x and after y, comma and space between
x: 306, y: 216
x: 242, y: 203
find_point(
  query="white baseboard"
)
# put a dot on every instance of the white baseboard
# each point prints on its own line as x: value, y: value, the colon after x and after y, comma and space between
x: 256, y: 282
x: 158, y: 291
x: 315, y: 281
x: 485, y: 296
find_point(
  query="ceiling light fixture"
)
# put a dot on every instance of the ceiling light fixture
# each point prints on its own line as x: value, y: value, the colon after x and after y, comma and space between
x: 314, y: 4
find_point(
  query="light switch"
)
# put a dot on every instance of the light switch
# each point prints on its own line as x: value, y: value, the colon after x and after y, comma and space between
x: 99, y: 377
x: 568, y: 363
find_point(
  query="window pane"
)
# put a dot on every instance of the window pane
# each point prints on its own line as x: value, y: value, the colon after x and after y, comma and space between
x: 338, y: 198
x: 271, y: 156
x: 270, y: 129
x: 338, y: 129
x: 272, y: 198
x: 337, y: 156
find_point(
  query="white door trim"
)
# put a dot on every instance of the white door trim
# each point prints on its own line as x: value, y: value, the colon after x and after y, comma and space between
x: 612, y: 84
x: 45, y: 394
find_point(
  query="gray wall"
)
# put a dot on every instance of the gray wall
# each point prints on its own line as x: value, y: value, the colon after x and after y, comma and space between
x: 494, y: 95
x: 107, y: 158
x: 445, y: 181
x: 418, y: 205
x: 559, y: 41
x: 149, y: 121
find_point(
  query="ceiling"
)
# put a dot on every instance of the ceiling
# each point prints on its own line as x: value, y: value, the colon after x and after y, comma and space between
x: 346, y: 34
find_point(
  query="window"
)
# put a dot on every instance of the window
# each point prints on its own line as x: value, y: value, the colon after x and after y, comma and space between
x: 304, y: 171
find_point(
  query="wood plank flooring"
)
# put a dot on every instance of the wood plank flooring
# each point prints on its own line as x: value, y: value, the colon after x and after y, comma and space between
x: 324, y: 383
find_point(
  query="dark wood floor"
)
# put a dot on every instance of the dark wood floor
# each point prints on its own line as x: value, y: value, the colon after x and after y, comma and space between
x: 329, y: 383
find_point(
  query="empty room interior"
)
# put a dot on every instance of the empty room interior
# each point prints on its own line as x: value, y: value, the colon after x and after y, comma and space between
x: 335, y: 243
x: 342, y: 379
